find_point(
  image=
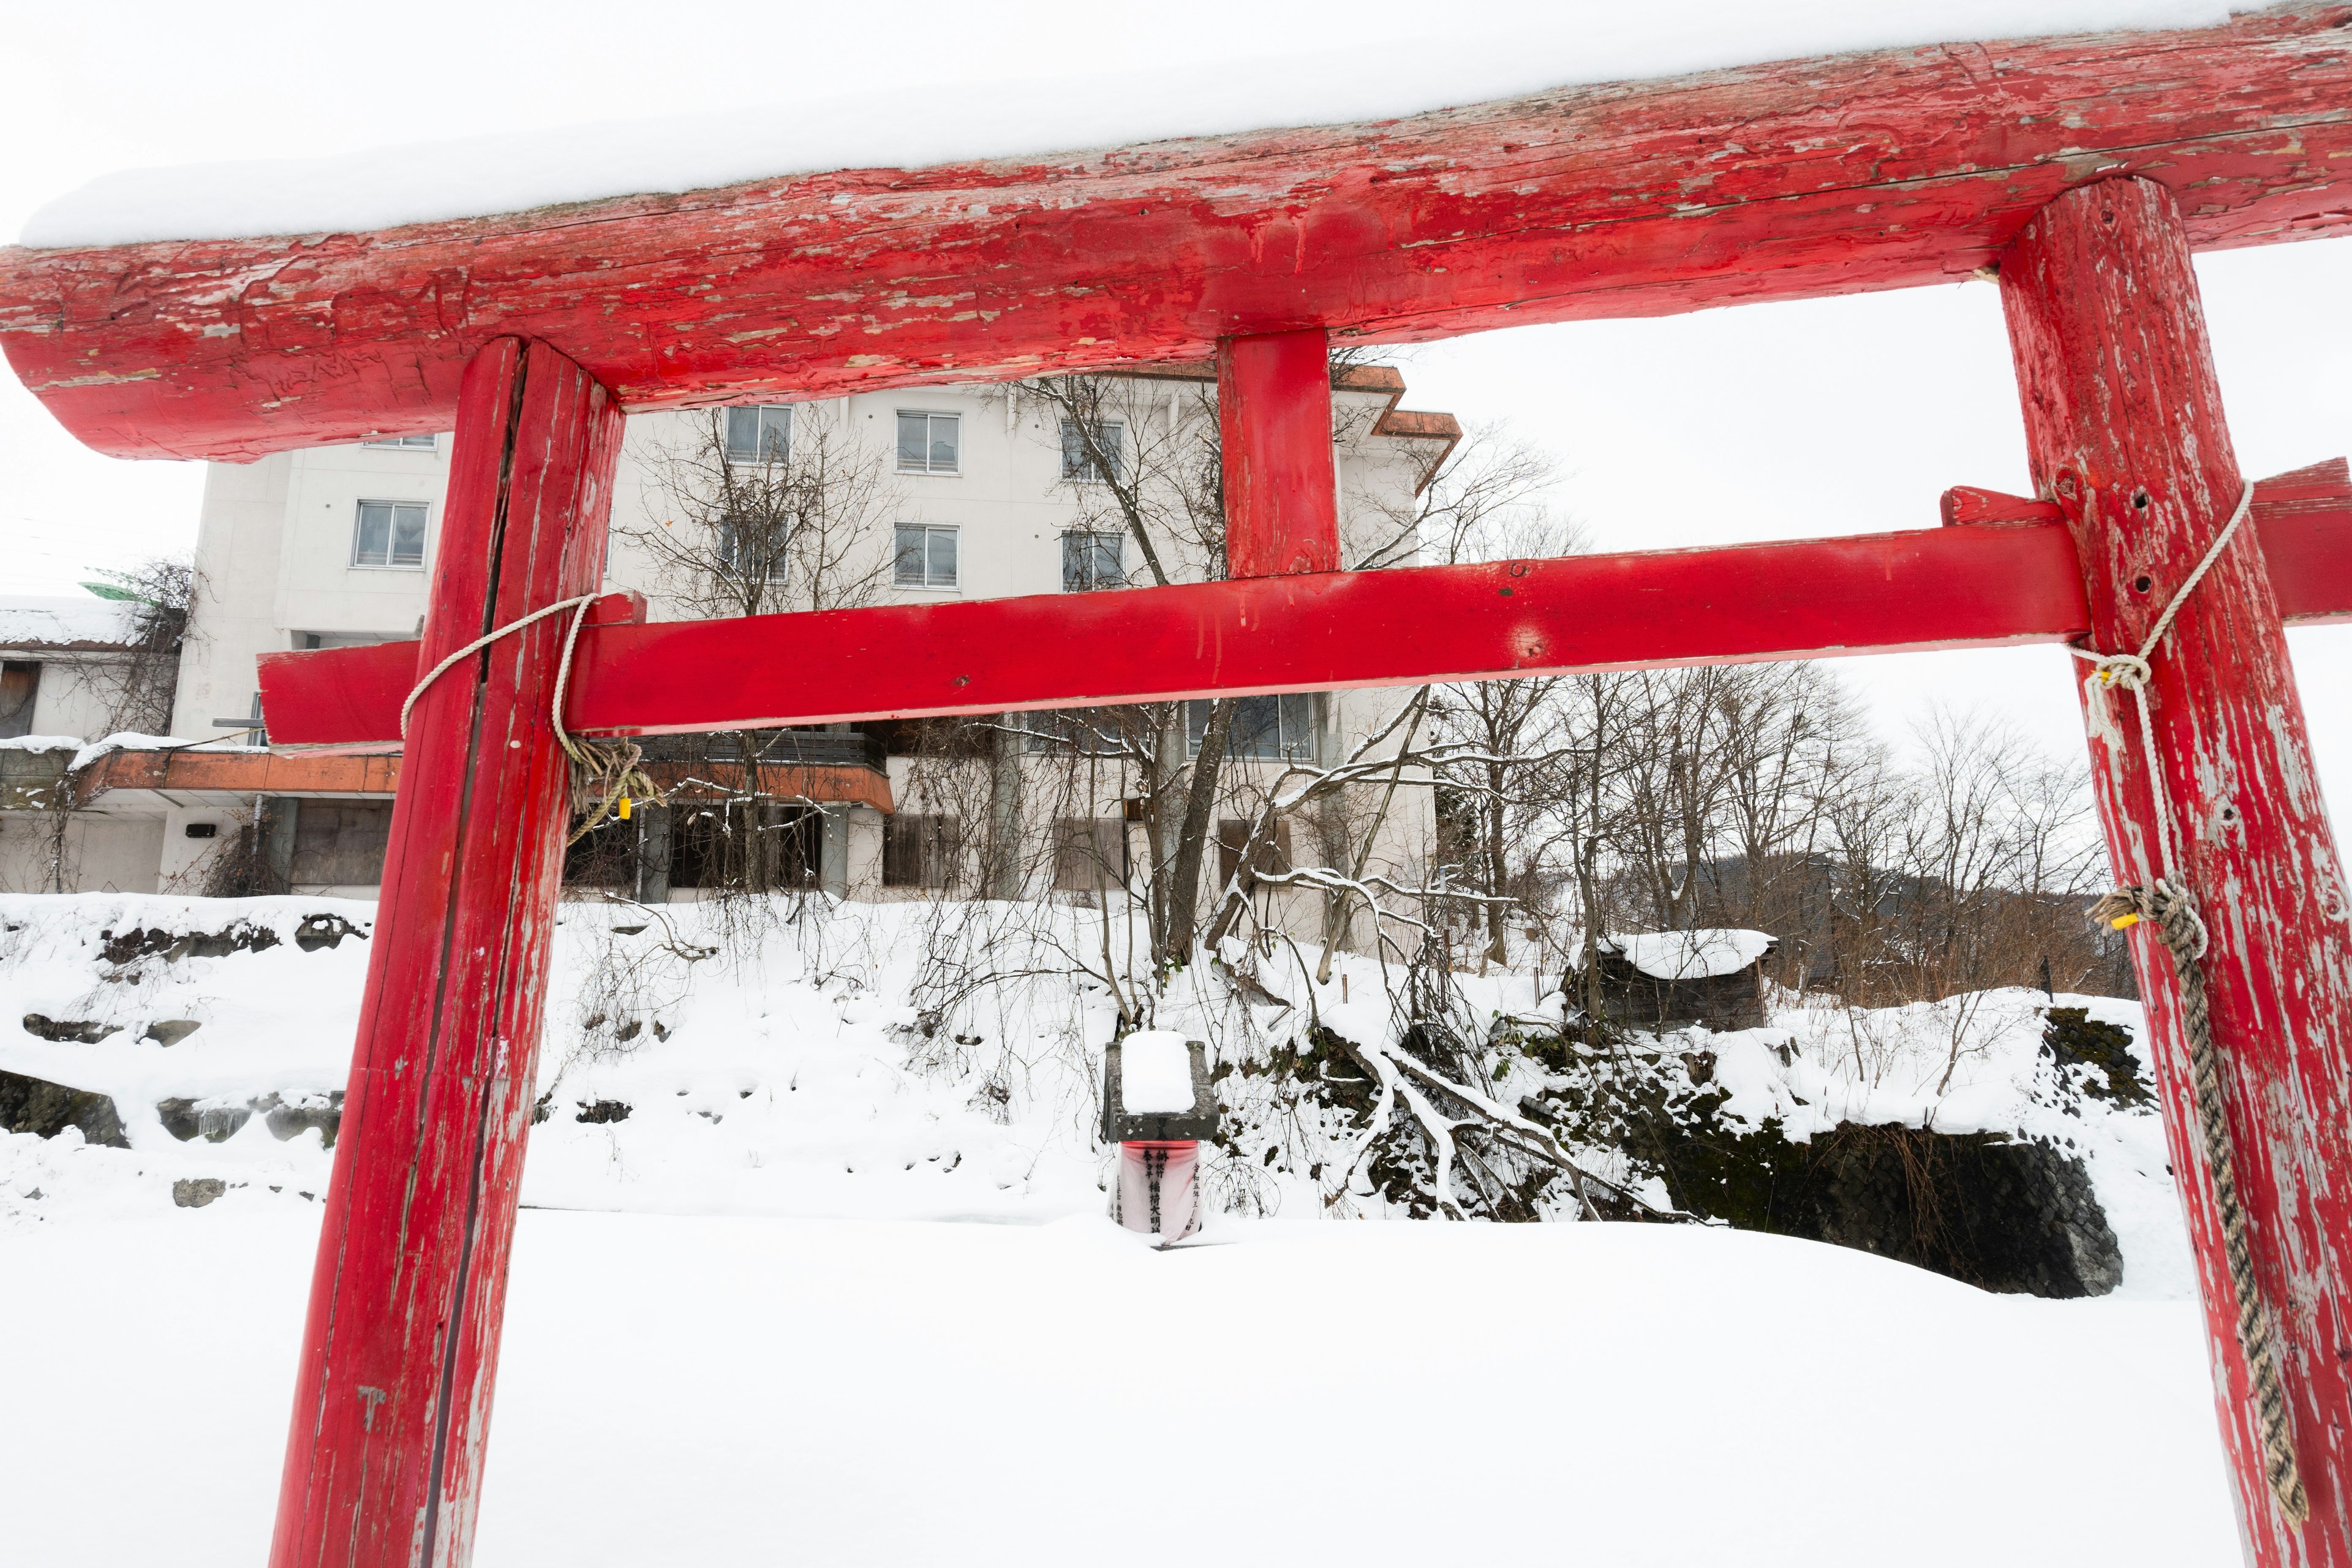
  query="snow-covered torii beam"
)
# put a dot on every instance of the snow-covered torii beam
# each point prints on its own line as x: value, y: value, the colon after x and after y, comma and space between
x: 1859, y: 171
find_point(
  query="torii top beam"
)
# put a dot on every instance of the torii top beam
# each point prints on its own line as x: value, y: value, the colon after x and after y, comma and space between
x: 1856, y: 171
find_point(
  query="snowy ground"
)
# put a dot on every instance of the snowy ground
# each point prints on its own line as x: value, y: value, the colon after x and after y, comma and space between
x: 865, y: 1310
x: 737, y: 1389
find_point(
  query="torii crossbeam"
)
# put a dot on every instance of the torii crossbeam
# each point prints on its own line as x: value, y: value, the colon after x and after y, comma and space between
x: 2085, y: 169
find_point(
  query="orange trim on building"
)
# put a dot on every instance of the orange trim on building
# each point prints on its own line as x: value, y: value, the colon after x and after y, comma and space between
x: 241, y: 772
x: 312, y: 773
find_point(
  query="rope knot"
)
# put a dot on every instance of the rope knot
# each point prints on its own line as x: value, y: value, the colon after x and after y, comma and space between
x: 2168, y: 907
x: 2128, y: 670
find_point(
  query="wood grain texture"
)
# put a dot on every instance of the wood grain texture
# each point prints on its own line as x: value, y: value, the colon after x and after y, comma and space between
x: 2125, y: 425
x: 1940, y: 588
x: 1965, y: 506
x: 393, y: 1397
x: 1274, y: 420
x: 1782, y: 181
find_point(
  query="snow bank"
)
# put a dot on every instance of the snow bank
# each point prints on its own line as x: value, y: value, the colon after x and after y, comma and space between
x: 873, y: 1393
x: 803, y: 1082
x: 1689, y: 954
x: 935, y: 124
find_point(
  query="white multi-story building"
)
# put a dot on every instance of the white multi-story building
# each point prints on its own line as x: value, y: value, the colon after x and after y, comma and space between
x: 959, y: 492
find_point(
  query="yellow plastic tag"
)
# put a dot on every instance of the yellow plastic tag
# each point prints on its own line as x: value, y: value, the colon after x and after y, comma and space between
x: 2124, y: 922
x: 624, y: 808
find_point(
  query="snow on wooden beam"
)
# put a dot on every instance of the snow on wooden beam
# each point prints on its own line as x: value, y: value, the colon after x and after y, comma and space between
x: 1975, y: 587
x: 1773, y: 182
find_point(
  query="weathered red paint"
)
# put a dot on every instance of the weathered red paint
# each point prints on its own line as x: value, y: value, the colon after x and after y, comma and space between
x: 1865, y: 171
x: 1966, y: 504
x: 1273, y: 419
x: 392, y: 1399
x: 1938, y: 588
x: 2124, y: 422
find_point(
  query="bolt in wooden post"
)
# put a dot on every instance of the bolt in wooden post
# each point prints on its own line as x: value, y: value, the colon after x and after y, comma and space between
x: 2123, y: 418
x: 393, y: 1400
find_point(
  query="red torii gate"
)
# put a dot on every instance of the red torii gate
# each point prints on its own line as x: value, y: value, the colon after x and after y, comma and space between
x: 532, y: 333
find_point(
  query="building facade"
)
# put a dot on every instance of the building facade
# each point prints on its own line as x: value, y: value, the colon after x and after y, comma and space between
x: 914, y: 497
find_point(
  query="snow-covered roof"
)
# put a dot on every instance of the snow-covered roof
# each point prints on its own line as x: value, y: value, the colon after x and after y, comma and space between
x: 1689, y: 954
x: 29, y: 621
x: 1564, y: 46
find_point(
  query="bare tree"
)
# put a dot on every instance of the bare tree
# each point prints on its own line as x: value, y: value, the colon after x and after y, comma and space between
x: 1141, y: 461
x: 132, y: 689
x: 752, y: 511
x: 792, y: 515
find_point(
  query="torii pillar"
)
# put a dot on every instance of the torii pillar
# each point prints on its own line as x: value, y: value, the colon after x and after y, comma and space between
x: 2123, y: 419
x: 391, y: 1404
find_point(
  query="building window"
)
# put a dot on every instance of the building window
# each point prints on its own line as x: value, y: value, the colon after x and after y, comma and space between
x: 1089, y: 853
x: 408, y: 442
x: 1091, y: 560
x: 1273, y: 857
x: 1280, y: 726
x: 1090, y: 462
x: 930, y: 443
x: 920, y: 851
x: 20, y: 691
x: 312, y: 641
x: 746, y: 547
x: 761, y: 433
x: 252, y: 733
x: 926, y: 557
x: 390, y: 534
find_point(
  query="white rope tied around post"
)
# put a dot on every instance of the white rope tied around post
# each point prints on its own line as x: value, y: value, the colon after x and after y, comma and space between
x: 2166, y: 904
x: 2131, y: 672
x: 603, y: 772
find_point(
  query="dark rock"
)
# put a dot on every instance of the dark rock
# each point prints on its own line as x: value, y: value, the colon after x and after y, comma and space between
x: 170, y: 1032
x: 2005, y: 1215
x: 603, y: 1110
x: 290, y: 1119
x: 44, y: 1109
x: 218, y: 1121
x: 324, y: 930
x: 68, y: 1031
x: 243, y: 936
x: 2072, y: 1039
x: 129, y: 947
x: 212, y: 1121
x: 195, y: 1192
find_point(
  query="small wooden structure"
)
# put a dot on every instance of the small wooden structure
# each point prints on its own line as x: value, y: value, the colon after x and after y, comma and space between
x: 1673, y: 979
x: 2082, y: 171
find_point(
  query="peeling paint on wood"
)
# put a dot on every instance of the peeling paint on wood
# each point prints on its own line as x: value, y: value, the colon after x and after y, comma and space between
x: 1274, y: 415
x: 1783, y: 181
x: 392, y: 1398
x: 2123, y: 421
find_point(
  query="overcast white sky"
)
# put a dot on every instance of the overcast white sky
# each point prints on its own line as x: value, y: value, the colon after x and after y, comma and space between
x: 1846, y: 415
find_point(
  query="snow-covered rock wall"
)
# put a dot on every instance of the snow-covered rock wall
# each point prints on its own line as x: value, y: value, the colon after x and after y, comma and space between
x: 943, y: 1060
